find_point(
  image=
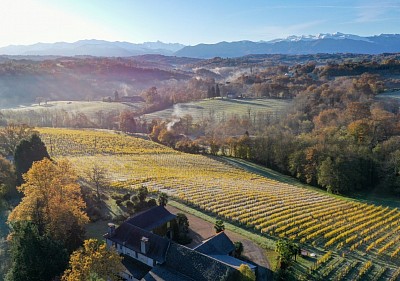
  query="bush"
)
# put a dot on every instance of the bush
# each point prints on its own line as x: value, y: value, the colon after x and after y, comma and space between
x: 130, y: 205
x: 126, y: 197
x: 119, y: 219
x: 119, y: 202
x: 152, y: 203
x: 94, y: 213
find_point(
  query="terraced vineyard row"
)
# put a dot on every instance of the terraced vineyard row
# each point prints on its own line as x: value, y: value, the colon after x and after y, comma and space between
x: 364, y: 236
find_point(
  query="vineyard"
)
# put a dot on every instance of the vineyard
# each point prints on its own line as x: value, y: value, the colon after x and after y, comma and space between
x: 352, y: 240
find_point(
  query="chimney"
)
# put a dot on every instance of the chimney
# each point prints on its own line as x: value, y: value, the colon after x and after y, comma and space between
x: 144, y: 245
x: 111, y: 229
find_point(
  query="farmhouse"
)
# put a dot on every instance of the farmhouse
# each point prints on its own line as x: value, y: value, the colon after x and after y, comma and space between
x: 144, y: 241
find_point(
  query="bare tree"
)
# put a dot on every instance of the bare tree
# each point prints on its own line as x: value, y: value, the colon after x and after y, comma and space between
x: 97, y: 175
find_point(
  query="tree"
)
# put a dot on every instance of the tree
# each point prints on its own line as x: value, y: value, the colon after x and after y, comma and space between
x: 93, y: 260
x: 238, y: 249
x: 217, y: 91
x: 286, y: 249
x: 127, y: 122
x: 26, y: 153
x: 7, y: 177
x: 34, y: 257
x: 142, y: 194
x: 182, y: 222
x: 12, y: 135
x: 327, y: 175
x: 162, y: 199
x: 97, y: 175
x: 219, y: 226
x: 246, y: 274
x: 53, y: 202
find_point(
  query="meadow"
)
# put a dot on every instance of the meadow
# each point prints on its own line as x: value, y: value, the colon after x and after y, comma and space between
x: 221, y: 108
x: 353, y: 240
x: 89, y: 108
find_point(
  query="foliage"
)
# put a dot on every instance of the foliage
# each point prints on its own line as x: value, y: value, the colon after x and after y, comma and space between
x: 181, y: 229
x: 219, y: 226
x: 12, y: 135
x: 238, y: 249
x: 286, y: 250
x: 94, y: 259
x: 34, y: 257
x: 53, y: 201
x: 7, y: 178
x: 246, y: 273
x: 26, y: 153
x: 162, y: 199
x: 182, y: 222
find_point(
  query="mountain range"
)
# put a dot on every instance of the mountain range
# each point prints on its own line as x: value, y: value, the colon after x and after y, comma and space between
x: 293, y: 45
x: 99, y: 48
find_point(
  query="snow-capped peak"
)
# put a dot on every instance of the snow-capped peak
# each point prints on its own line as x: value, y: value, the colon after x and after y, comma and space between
x: 319, y: 36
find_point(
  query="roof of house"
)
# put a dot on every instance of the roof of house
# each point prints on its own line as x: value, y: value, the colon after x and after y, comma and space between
x: 163, y: 273
x: 219, y: 244
x: 196, y: 265
x: 232, y: 261
x: 130, y: 236
x: 135, y: 268
x: 152, y: 218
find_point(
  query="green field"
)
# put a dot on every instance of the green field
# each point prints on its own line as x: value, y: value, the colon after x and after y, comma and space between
x: 220, y: 108
x: 87, y: 107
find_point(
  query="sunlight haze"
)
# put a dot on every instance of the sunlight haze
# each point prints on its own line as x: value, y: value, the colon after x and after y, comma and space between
x: 189, y: 22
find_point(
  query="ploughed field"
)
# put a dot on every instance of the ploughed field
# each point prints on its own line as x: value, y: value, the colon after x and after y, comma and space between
x: 353, y: 240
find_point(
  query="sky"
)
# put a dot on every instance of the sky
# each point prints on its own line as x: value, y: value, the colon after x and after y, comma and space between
x: 190, y: 22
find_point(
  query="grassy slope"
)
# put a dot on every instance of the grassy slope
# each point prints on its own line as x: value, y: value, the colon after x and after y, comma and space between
x: 220, y: 107
x: 274, y: 175
x: 87, y: 107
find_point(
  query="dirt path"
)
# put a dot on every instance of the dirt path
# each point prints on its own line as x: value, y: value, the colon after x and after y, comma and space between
x: 201, y: 230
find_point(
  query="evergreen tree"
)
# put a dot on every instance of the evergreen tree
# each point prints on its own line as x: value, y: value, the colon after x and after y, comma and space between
x: 34, y: 257
x: 27, y: 152
x: 212, y: 91
x: 217, y: 91
x: 209, y: 94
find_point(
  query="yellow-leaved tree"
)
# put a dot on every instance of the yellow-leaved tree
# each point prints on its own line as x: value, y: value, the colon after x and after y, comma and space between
x: 94, y: 258
x: 53, y: 201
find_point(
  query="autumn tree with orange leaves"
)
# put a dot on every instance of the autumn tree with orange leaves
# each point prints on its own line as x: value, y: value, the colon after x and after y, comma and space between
x: 94, y: 258
x: 53, y: 201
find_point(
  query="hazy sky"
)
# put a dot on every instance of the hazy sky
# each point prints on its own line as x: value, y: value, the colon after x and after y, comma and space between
x: 189, y: 21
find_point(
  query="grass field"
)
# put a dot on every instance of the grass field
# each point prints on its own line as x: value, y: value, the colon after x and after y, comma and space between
x: 266, y: 204
x: 87, y: 107
x: 220, y: 108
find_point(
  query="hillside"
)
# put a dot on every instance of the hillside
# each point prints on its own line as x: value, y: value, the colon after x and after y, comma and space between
x: 220, y: 108
x: 23, y: 81
x: 350, y: 233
